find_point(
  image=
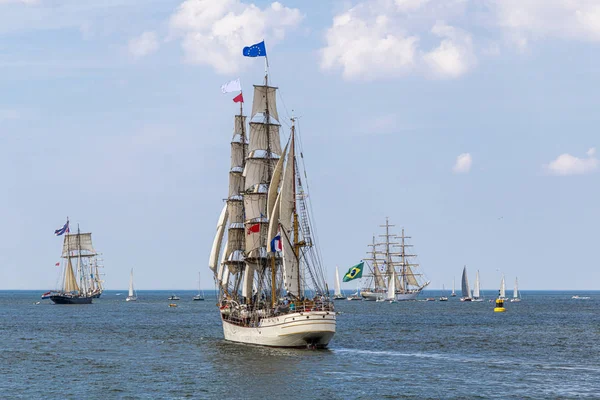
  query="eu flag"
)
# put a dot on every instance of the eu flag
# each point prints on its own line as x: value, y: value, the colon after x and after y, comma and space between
x: 256, y: 50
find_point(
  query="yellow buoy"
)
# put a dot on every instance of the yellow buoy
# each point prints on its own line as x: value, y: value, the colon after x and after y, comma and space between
x: 172, y: 305
x: 499, y: 306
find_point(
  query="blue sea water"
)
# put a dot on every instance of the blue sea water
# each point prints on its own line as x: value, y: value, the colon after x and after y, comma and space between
x: 546, y: 347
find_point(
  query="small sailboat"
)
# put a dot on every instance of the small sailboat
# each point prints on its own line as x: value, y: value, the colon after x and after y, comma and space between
x: 516, y: 297
x: 443, y: 297
x: 337, y: 294
x: 132, y: 294
x: 200, y: 295
x: 466, y: 291
x: 391, y: 294
x: 503, y: 289
x: 173, y: 297
x: 476, y: 291
x: 355, y: 296
x: 453, y: 294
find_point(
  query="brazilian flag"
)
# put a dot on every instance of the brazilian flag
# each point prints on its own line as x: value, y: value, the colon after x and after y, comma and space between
x: 354, y: 272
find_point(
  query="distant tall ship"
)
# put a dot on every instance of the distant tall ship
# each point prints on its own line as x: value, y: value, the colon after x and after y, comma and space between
x: 395, y: 266
x: 272, y: 289
x: 77, y: 285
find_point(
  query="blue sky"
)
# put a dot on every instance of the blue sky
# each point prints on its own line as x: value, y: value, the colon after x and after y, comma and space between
x: 472, y: 124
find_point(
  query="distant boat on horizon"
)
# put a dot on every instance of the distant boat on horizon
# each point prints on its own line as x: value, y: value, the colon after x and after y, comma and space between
x: 200, y: 295
x: 516, y: 297
x: 476, y: 291
x: 466, y: 291
x: 132, y: 295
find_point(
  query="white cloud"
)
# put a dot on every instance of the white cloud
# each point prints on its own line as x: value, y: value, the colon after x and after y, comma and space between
x: 28, y: 2
x: 526, y: 20
x: 566, y: 164
x: 375, y: 40
x: 144, y: 44
x: 214, y: 32
x: 463, y: 163
x: 454, y: 56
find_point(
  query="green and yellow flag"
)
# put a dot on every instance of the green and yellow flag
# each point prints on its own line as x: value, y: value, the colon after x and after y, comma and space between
x: 354, y: 272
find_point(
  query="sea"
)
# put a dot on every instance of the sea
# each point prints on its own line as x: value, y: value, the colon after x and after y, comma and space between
x: 545, y: 347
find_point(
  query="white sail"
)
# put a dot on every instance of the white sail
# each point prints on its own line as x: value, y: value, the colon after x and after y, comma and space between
x: 286, y: 209
x: 516, y: 289
x: 502, y: 288
x: 238, y: 126
x: 410, y: 277
x: 273, y: 223
x: 262, y: 138
x: 216, y: 247
x: 248, y: 283
x: 379, y: 283
x: 254, y: 206
x: 453, y: 291
x: 256, y: 172
x: 466, y: 291
x: 131, y: 283
x: 70, y: 282
x: 338, y: 290
x: 78, y: 242
x: 476, y: 289
x: 264, y: 98
x: 274, y: 185
x: 391, y: 294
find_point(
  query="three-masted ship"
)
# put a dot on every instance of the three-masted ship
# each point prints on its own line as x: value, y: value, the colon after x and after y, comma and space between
x: 78, y: 283
x: 389, y: 267
x: 264, y: 257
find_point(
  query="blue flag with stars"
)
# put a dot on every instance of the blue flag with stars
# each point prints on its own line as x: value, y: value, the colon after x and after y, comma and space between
x: 256, y: 50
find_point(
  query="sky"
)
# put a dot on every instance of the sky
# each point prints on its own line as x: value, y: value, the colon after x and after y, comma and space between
x: 472, y: 124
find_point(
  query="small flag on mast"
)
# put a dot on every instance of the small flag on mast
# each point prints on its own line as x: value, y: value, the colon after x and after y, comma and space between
x: 256, y: 50
x: 276, y: 244
x: 231, y: 86
x: 62, y: 230
x: 238, y: 99
x: 57, y: 264
x: 254, y: 228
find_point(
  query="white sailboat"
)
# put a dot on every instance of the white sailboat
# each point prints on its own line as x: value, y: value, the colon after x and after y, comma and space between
x: 443, y: 297
x: 502, y: 295
x: 476, y: 290
x: 132, y: 294
x: 200, y: 295
x: 453, y: 294
x: 337, y: 295
x: 272, y: 289
x: 466, y: 291
x: 391, y: 294
x: 408, y: 281
x: 516, y: 297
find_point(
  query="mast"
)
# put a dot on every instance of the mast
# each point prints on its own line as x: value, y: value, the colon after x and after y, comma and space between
x: 79, y: 268
x: 294, y: 212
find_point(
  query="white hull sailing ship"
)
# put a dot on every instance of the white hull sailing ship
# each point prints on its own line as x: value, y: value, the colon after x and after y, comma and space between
x: 396, y: 267
x: 272, y: 289
x: 77, y: 285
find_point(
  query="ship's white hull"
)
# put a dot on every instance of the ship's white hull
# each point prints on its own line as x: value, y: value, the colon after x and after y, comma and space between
x: 372, y: 296
x: 302, y: 329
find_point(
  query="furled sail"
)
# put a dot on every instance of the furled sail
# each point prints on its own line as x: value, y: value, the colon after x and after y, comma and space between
x: 466, y: 292
x: 264, y: 100
x: 78, y: 242
x: 216, y: 247
x: 70, y: 283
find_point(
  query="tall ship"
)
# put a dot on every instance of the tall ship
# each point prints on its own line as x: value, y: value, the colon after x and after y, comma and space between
x: 78, y: 266
x: 390, y: 263
x: 265, y: 261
